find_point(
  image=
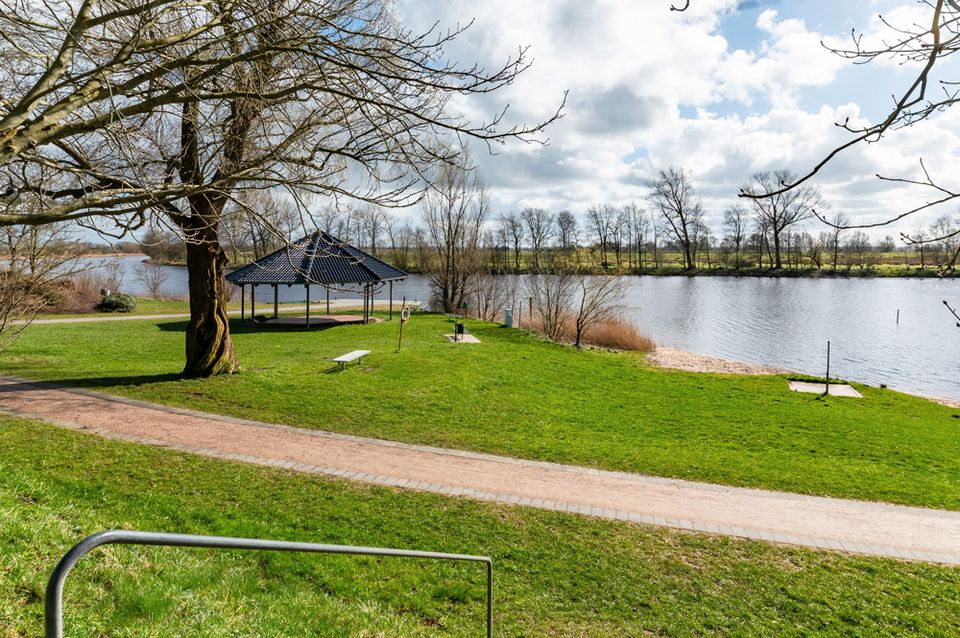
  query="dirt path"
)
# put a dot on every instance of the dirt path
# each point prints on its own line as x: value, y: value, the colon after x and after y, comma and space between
x: 844, y: 525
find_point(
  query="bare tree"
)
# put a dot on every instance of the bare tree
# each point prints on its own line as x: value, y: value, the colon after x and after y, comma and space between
x: 39, y: 263
x: 491, y: 294
x: 601, y: 219
x: 598, y: 300
x: 782, y: 208
x: 515, y: 232
x: 673, y: 195
x: 454, y: 212
x: 552, y: 293
x: 857, y: 248
x: 837, y: 227
x: 152, y: 278
x: 735, y: 229
x: 566, y: 224
x: 538, y: 222
x: 639, y: 227
x: 112, y: 112
x: 373, y: 224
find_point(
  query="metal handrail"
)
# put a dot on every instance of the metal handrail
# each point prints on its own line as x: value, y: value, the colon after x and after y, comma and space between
x: 53, y: 614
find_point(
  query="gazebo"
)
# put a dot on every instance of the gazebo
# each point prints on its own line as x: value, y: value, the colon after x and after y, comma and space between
x: 317, y: 259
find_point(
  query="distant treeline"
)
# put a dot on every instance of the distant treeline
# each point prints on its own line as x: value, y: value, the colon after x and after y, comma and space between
x: 668, y: 236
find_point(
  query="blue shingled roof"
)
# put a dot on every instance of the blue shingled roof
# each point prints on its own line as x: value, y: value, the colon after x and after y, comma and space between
x: 318, y: 258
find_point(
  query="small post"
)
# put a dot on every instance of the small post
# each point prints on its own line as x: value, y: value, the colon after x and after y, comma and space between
x: 391, y: 300
x: 404, y: 316
x: 253, y: 302
x: 898, y: 316
x: 328, y: 298
x: 307, y: 286
x: 243, y: 298
x: 827, y: 386
x: 276, y: 302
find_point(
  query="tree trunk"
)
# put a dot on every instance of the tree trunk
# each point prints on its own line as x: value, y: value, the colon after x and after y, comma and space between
x: 776, y: 250
x: 209, y: 347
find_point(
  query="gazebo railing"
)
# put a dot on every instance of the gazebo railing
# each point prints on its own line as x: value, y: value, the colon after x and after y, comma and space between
x: 53, y: 613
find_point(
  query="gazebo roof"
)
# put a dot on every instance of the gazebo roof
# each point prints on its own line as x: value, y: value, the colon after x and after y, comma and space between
x: 318, y: 258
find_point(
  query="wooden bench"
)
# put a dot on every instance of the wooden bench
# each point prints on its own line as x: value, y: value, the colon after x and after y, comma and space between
x: 344, y: 359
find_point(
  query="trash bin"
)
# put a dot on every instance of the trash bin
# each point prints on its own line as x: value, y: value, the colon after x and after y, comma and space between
x: 508, y: 317
x: 458, y: 328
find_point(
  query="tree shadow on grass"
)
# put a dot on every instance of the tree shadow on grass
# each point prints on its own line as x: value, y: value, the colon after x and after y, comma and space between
x: 241, y: 328
x: 92, y: 382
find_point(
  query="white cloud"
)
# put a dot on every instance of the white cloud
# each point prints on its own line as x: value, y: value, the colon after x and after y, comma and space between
x: 650, y: 88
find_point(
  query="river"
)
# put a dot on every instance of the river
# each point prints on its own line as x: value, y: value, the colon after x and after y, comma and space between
x: 781, y: 322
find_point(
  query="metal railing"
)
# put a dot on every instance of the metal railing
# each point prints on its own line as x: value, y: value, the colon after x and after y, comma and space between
x: 53, y: 614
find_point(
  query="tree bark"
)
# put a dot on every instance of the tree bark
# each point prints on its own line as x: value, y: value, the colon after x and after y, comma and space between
x: 209, y: 348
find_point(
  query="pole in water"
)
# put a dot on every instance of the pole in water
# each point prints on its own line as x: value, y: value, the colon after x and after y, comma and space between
x: 898, y: 316
x: 827, y: 390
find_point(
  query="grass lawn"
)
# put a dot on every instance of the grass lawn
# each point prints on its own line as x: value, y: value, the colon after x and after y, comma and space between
x: 556, y: 574
x: 516, y: 394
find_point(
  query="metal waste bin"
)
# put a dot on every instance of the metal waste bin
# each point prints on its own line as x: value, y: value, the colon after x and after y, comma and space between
x: 508, y: 317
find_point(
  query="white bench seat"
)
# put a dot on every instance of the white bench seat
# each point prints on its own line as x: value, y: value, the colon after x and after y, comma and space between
x: 353, y: 355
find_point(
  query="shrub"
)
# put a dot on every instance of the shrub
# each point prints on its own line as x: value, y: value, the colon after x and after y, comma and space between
x: 620, y: 334
x: 117, y: 302
x: 616, y: 333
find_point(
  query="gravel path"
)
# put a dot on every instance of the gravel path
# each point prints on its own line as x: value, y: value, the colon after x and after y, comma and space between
x: 852, y: 526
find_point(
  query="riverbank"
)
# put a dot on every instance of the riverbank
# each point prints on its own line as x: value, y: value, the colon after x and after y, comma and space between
x: 516, y: 394
x: 676, y: 359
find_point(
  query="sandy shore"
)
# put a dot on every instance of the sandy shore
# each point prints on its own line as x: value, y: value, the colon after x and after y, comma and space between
x: 692, y: 362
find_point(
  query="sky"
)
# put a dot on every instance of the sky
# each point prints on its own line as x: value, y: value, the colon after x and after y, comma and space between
x: 723, y: 90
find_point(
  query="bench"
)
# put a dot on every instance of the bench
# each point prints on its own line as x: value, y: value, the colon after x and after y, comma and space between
x: 344, y: 359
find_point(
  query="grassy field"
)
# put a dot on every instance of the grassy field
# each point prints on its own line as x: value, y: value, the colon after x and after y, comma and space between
x: 516, y: 394
x: 556, y: 574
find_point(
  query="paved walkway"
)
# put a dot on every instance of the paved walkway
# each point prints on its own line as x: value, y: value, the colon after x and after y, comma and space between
x: 264, y: 306
x: 852, y: 526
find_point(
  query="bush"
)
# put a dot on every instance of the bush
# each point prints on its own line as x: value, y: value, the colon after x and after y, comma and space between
x: 117, y: 302
x: 619, y: 334
x: 616, y: 333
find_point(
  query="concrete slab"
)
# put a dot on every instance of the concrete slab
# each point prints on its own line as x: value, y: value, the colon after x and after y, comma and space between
x: 836, y: 390
x: 468, y: 338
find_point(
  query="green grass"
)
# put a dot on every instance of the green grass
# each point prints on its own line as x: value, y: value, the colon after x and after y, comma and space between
x: 556, y: 574
x: 518, y: 395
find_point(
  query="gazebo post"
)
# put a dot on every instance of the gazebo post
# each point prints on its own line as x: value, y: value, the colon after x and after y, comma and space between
x: 276, y: 302
x: 327, y: 288
x: 307, y: 286
x: 370, y: 311
x: 243, y: 298
x: 391, y: 300
x: 253, y: 302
